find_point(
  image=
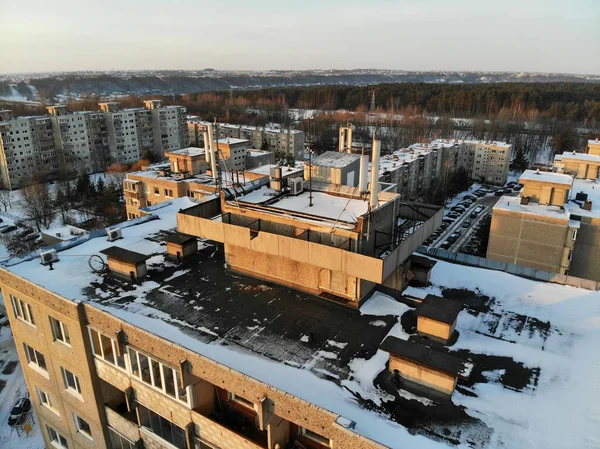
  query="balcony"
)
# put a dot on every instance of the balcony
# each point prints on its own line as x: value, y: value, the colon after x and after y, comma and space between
x: 123, y: 421
x: 229, y: 429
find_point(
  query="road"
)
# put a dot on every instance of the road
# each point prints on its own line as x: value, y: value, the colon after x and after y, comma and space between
x: 487, y: 202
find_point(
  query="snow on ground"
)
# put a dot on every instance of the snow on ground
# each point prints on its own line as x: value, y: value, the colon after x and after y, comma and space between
x: 14, y: 389
x: 563, y: 410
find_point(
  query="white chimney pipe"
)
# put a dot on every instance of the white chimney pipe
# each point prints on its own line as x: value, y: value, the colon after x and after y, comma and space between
x: 363, y: 179
x: 349, y: 139
x: 342, y: 139
x: 206, y: 147
x: 375, y: 173
x: 213, y: 165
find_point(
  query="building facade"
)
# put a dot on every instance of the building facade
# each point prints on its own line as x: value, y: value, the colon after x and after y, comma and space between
x: 85, y: 141
x: 285, y: 142
x: 554, y: 226
x: 486, y: 161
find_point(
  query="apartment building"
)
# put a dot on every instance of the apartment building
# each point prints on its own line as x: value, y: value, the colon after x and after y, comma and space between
x: 71, y: 139
x: 104, y: 373
x: 287, y: 142
x: 233, y: 152
x: 486, y: 161
x: 85, y: 141
x: 27, y: 147
x: 169, y: 126
x: 554, y: 225
x: 413, y: 169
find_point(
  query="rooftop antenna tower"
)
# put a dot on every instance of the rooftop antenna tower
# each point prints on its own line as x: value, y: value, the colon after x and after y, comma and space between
x: 310, y: 197
x: 372, y: 100
x: 214, y: 154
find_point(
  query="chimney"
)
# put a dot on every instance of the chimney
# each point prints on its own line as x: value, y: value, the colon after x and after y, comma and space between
x: 587, y: 205
x: 349, y: 139
x: 206, y: 147
x: 525, y: 200
x: 363, y: 179
x: 375, y: 173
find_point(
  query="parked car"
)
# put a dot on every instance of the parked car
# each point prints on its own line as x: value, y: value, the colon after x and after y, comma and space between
x: 508, y: 190
x: 8, y: 229
x: 466, y: 204
x: 510, y: 184
x: 427, y: 242
x: 517, y: 188
x: 468, y: 196
x: 453, y: 215
x: 499, y: 192
x: 3, y: 319
x: 474, y: 215
x: 446, y: 245
x: 466, y: 224
x: 448, y: 220
x: 21, y: 408
x: 444, y: 225
x: 459, y: 209
x: 453, y: 237
x: 479, y: 193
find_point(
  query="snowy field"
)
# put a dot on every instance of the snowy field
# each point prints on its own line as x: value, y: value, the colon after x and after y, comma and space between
x: 14, y: 388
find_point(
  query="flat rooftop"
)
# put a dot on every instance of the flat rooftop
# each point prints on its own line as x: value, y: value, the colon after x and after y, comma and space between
x: 230, y: 141
x: 297, y: 169
x: 581, y: 156
x: 190, y: 151
x: 325, y: 205
x: 534, y: 346
x: 570, y: 208
x: 335, y: 159
x: 546, y: 176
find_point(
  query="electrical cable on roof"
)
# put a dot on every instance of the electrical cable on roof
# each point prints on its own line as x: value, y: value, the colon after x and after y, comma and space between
x: 341, y: 213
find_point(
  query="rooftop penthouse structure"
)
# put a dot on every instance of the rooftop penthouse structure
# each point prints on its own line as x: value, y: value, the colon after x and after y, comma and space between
x: 331, y: 241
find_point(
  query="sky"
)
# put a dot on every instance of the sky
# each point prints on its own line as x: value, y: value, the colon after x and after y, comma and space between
x: 488, y: 35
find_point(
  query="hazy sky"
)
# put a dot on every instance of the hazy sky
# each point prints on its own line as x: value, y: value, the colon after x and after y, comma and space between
x: 511, y: 35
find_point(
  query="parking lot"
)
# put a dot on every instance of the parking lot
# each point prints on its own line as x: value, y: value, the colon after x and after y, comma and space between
x: 463, y: 218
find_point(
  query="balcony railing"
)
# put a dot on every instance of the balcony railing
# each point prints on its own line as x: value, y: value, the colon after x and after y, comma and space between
x: 228, y: 431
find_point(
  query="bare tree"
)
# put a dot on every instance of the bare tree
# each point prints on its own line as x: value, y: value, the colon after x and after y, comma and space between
x: 5, y: 199
x: 36, y: 204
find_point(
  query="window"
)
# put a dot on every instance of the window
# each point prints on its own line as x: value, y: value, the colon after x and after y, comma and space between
x: 570, y: 254
x: 315, y: 437
x: 60, y: 331
x: 157, y: 374
x: 118, y: 441
x: 82, y: 426
x: 156, y: 191
x: 71, y: 382
x: 45, y: 400
x: 574, y: 234
x: 162, y: 427
x: 240, y: 400
x: 35, y: 358
x: 106, y: 349
x: 56, y: 439
x: 22, y: 310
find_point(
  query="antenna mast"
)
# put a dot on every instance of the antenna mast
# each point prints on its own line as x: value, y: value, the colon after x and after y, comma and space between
x: 215, y: 153
x: 310, y: 197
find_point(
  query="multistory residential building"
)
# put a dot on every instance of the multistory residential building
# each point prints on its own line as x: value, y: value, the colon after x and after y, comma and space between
x: 282, y: 142
x: 27, y: 147
x: 85, y: 141
x: 71, y: 139
x: 486, y: 161
x: 555, y: 225
x: 169, y: 126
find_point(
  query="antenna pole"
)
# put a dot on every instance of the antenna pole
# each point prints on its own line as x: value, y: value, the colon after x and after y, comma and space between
x: 310, y: 197
x: 215, y: 153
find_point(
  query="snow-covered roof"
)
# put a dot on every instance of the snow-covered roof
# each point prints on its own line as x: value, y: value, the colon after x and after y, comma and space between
x: 297, y: 169
x: 335, y: 159
x: 571, y: 207
x: 545, y: 176
x: 231, y: 141
x: 595, y: 141
x: 581, y: 156
x: 190, y: 151
x: 532, y: 348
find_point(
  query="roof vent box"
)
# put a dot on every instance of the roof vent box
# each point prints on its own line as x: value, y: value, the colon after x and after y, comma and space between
x: 296, y: 186
x: 49, y: 256
x: 114, y: 234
